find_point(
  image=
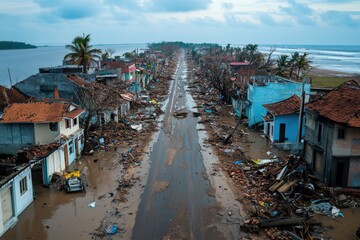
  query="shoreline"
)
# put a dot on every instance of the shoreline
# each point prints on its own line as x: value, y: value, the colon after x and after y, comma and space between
x: 321, y: 72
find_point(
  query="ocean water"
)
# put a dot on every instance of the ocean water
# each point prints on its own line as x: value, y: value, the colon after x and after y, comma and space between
x: 343, y: 58
x: 23, y: 63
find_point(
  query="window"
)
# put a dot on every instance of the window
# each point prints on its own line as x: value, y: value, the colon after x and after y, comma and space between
x: 341, y: 133
x: 53, y: 126
x: 74, y: 121
x: 67, y: 123
x: 82, y: 138
x: 23, y: 186
x: 309, y: 122
x: 319, y: 132
x: 71, y: 147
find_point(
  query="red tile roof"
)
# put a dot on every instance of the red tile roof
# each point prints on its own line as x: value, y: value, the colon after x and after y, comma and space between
x: 288, y: 106
x: 37, y: 112
x: 8, y: 96
x: 239, y: 63
x: 112, y: 65
x: 341, y: 105
x: 74, y: 113
x: 78, y: 80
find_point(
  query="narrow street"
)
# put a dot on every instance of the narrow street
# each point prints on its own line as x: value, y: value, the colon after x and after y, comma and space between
x: 179, y: 201
x: 179, y: 190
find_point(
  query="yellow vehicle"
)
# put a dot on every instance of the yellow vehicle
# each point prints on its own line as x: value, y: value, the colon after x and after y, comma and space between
x: 73, y: 182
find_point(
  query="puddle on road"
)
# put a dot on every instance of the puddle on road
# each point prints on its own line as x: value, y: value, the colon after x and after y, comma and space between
x: 59, y: 215
x: 342, y: 228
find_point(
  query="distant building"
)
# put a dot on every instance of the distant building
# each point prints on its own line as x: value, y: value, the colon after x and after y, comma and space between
x: 67, y: 69
x: 332, y: 135
x: 269, y: 89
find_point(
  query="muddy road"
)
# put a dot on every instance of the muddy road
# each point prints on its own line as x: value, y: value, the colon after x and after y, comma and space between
x: 180, y: 200
x: 179, y: 190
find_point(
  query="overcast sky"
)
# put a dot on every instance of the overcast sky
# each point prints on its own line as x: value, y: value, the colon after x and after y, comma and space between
x: 216, y: 21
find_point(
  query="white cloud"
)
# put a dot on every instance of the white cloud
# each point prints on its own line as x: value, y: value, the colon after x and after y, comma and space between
x: 200, y: 20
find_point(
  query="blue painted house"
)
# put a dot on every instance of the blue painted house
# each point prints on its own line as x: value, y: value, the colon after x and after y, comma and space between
x: 282, y: 119
x: 269, y: 89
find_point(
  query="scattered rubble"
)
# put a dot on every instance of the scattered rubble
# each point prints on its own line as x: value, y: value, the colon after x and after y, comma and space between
x: 283, y: 192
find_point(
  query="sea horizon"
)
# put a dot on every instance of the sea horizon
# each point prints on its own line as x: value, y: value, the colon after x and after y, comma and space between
x: 22, y: 63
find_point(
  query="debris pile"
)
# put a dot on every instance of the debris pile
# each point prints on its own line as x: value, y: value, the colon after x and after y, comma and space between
x: 284, y: 193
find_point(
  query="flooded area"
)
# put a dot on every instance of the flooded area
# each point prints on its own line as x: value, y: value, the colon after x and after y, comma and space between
x: 342, y: 228
x: 177, y: 192
x: 55, y: 214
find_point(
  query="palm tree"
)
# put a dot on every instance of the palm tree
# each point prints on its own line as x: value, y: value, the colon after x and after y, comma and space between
x: 282, y: 65
x: 82, y: 53
x: 303, y: 65
x: 293, y: 63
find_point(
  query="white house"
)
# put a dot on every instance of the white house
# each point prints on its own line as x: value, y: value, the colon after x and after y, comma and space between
x: 43, y: 123
x: 16, y: 193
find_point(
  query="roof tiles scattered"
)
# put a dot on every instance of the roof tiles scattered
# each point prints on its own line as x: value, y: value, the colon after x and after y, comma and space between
x: 341, y: 105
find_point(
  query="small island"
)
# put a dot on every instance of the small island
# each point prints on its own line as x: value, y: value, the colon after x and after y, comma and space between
x: 7, y: 45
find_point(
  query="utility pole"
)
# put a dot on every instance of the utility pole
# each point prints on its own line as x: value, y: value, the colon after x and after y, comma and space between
x: 11, y: 84
x: 301, y: 112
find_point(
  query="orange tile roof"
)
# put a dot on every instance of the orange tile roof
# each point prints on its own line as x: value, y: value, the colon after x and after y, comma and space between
x: 36, y: 112
x: 288, y: 106
x: 74, y: 113
x: 341, y: 105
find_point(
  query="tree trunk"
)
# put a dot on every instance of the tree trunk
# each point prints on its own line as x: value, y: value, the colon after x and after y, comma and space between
x: 86, y: 129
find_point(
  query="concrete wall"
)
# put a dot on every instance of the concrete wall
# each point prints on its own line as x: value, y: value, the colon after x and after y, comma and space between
x: 55, y: 162
x: 291, y: 128
x: 350, y: 146
x: 270, y: 93
x: 354, y: 172
x: 330, y: 149
x: 14, y: 136
x: 71, y: 149
x: 23, y: 200
x: 71, y: 130
x: 322, y: 151
x: 43, y: 134
x: 19, y: 201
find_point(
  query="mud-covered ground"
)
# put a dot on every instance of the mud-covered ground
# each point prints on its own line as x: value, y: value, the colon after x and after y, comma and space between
x: 176, y: 189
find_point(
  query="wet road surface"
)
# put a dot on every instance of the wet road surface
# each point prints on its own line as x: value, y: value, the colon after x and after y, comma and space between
x: 178, y: 201
x: 180, y: 192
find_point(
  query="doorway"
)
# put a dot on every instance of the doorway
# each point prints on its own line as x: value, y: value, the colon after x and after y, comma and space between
x: 282, y: 132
